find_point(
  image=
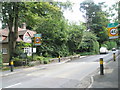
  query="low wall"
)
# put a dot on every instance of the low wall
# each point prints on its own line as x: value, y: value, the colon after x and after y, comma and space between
x: 64, y: 58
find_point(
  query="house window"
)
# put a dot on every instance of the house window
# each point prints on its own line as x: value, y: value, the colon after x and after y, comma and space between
x: 4, y: 50
x: 26, y: 50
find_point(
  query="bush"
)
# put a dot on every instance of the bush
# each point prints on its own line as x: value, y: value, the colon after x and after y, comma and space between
x: 1, y: 64
x: 43, y: 60
x: 29, y: 58
x: 89, y: 43
x: 111, y: 44
x: 87, y: 53
x: 18, y: 62
x: 104, y: 45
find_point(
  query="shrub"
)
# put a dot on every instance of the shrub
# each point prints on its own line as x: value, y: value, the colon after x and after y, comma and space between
x: 18, y: 62
x: 104, y: 45
x: 111, y: 44
x: 29, y: 58
x: 43, y: 60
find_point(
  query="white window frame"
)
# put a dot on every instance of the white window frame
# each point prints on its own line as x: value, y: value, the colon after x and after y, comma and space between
x: 4, y: 51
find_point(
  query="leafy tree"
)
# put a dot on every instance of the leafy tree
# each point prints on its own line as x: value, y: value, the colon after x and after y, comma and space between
x: 95, y: 17
x: 75, y: 37
x: 53, y: 36
x: 10, y: 12
x: 110, y: 44
x: 15, y: 13
x: 89, y: 43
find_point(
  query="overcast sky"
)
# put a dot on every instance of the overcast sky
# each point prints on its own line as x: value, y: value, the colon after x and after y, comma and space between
x: 76, y: 15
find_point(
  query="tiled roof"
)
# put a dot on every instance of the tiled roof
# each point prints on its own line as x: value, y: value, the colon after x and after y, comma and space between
x: 31, y: 33
x: 19, y: 39
x: 22, y: 32
x: 4, y: 33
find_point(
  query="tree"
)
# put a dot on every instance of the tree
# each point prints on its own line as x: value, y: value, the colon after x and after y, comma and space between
x: 75, y: 36
x: 95, y: 17
x: 119, y: 11
x: 15, y: 13
x: 89, y: 43
x: 10, y: 13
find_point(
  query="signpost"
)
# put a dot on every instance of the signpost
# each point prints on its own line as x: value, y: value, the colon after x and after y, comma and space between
x: 37, y: 39
x: 112, y: 30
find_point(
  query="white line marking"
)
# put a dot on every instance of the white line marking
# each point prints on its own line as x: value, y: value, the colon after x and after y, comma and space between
x: 13, y: 85
x: 92, y: 80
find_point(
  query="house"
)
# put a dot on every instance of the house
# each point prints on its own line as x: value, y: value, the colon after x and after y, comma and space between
x: 24, y: 35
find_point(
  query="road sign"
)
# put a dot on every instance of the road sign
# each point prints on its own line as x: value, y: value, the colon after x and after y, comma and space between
x: 112, y: 30
x: 37, y: 39
x: 34, y: 50
x: 112, y: 25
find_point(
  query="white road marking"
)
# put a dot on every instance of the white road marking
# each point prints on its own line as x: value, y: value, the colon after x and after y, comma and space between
x: 92, y: 80
x: 13, y: 85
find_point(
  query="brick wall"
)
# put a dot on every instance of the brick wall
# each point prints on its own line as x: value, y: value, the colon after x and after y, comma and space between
x: 5, y: 57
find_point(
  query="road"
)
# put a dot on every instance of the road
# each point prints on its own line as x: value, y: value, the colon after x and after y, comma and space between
x: 64, y: 75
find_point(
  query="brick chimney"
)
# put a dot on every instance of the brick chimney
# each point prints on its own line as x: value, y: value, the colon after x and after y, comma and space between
x: 23, y: 26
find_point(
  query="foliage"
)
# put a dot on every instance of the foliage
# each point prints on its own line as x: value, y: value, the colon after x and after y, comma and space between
x: 20, y: 48
x: 33, y: 13
x: 10, y: 15
x: 58, y: 36
x: 104, y: 45
x: 75, y: 37
x: 0, y: 60
x: 18, y: 61
x: 89, y: 43
x: 43, y: 60
x: 95, y: 17
x: 111, y: 44
x: 86, y: 53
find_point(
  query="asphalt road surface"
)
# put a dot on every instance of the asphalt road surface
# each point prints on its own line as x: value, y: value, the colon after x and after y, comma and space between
x: 65, y: 75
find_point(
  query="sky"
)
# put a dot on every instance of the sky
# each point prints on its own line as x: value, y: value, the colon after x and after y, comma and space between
x: 76, y: 15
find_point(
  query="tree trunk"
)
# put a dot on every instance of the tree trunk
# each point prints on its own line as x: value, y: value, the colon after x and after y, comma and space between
x: 13, y: 31
x: 10, y: 36
x: 15, y: 25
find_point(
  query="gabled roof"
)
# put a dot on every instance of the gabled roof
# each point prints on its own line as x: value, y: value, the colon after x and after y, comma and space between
x: 4, y: 33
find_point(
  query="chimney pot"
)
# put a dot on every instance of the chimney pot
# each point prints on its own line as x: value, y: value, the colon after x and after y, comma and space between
x: 23, y: 25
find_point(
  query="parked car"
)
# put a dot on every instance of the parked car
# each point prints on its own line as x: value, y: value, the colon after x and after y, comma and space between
x: 103, y: 50
x: 113, y: 49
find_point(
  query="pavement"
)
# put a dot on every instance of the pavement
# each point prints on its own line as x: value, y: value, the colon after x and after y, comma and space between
x: 110, y: 77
